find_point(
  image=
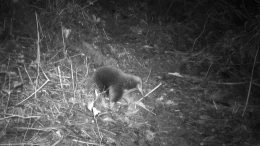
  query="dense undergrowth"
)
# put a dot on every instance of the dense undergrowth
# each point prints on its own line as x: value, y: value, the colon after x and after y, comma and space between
x: 198, y: 60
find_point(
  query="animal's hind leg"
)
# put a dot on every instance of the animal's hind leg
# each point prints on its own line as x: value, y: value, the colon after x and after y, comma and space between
x: 115, y: 93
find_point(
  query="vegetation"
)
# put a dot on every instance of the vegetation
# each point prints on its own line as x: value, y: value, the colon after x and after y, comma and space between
x: 198, y: 60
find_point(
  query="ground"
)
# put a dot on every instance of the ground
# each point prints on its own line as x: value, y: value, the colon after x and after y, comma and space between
x: 195, y: 82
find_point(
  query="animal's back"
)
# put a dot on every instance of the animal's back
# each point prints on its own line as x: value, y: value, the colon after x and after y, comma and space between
x: 106, y: 76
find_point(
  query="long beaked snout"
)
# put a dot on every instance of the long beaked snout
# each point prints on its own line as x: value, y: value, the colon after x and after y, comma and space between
x: 140, y: 89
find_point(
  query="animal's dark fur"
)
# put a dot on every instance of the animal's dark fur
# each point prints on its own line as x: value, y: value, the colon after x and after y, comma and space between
x: 114, y: 81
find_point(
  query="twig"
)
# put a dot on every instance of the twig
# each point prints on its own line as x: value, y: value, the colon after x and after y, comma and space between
x: 61, y: 85
x: 256, y: 84
x: 228, y: 83
x: 9, y: 88
x: 148, y: 75
x: 215, y: 105
x: 38, y: 55
x: 168, y: 10
x: 208, y: 70
x: 57, y: 52
x: 99, y: 134
x: 110, y: 132
x: 138, y: 61
x: 150, y: 92
x: 46, y: 129
x: 30, y: 124
x: 87, y: 66
x: 20, y: 75
x: 250, y: 84
x: 196, y: 39
x: 235, y: 108
x: 28, y: 75
x: 139, y: 103
x: 15, y: 144
x: 88, y: 143
x: 38, y: 58
x: 57, y: 142
x: 108, y: 38
x: 36, y: 89
x: 19, y: 116
x: 63, y: 41
x: 73, y: 82
x: 34, y: 92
